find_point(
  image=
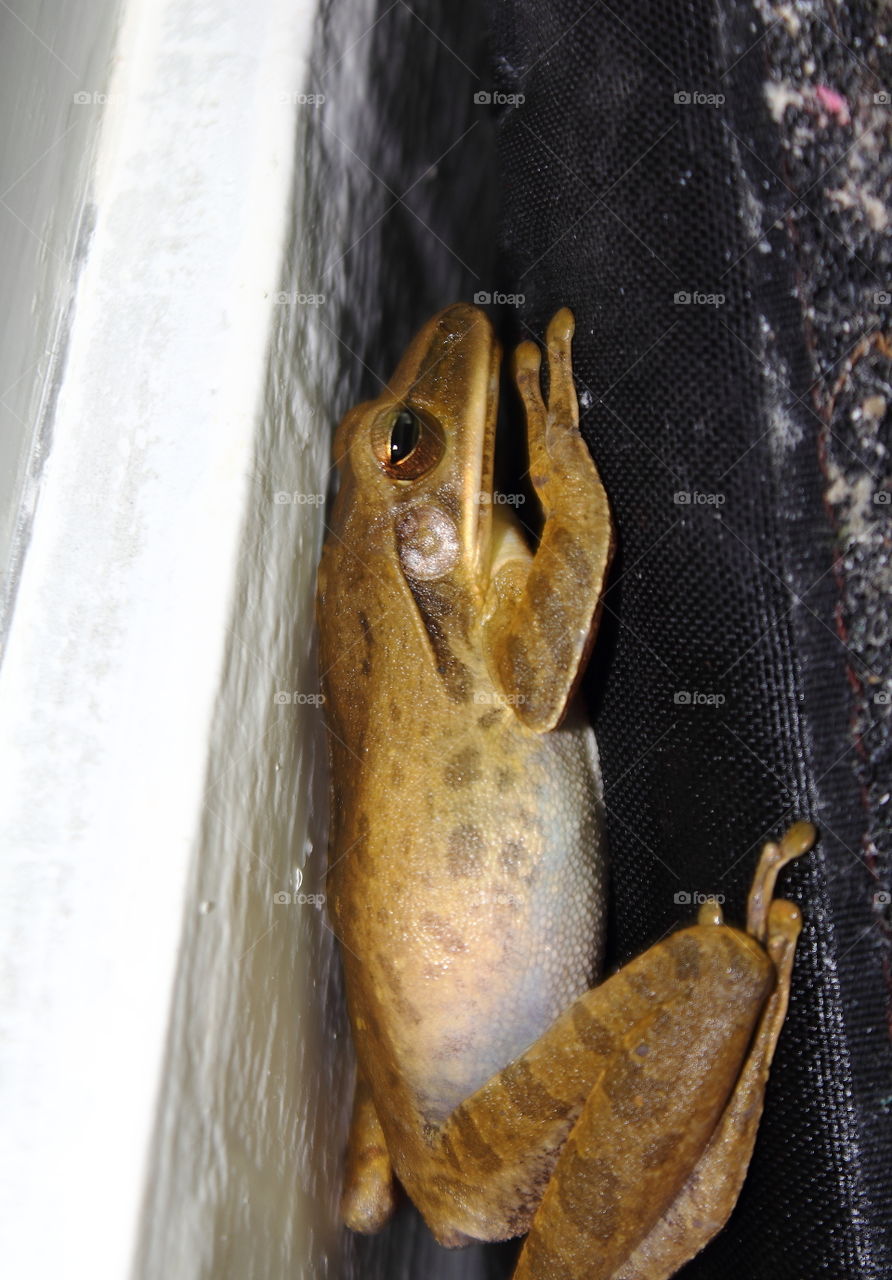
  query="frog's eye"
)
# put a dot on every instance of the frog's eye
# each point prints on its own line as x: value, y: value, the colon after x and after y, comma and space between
x: 407, y: 443
x: 404, y: 436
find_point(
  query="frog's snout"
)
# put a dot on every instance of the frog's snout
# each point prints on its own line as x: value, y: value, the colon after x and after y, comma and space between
x: 461, y: 317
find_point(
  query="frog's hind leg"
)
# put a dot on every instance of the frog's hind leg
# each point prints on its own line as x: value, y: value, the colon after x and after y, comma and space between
x: 796, y: 841
x: 369, y: 1196
x: 591, y: 1133
x: 581, y: 1229
x: 705, y: 1202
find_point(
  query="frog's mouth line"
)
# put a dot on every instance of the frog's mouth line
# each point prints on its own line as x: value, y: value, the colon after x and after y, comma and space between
x: 482, y: 535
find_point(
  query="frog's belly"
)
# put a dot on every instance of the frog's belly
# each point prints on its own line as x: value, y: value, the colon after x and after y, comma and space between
x: 493, y: 911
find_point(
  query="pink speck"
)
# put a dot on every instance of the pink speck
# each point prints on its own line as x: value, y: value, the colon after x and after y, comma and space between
x: 833, y: 103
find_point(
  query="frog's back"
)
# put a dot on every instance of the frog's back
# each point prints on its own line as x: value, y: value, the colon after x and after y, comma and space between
x: 470, y: 896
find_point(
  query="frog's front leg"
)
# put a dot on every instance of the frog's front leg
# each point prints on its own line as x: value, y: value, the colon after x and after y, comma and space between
x: 543, y: 611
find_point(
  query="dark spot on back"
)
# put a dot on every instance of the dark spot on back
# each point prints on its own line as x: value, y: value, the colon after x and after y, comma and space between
x: 401, y: 1002
x: 366, y: 628
x: 464, y: 852
x: 439, y: 928
x: 514, y: 857
x: 463, y: 768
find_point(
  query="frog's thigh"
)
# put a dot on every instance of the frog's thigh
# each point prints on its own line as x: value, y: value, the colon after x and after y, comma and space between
x: 643, y: 1058
x: 705, y: 1202
x: 649, y: 1118
x: 368, y: 1198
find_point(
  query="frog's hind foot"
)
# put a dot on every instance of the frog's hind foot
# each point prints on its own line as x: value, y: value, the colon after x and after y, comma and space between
x: 368, y: 1199
x: 796, y: 841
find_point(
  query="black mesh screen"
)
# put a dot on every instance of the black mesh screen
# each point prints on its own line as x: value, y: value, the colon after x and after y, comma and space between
x: 642, y: 175
x: 706, y: 186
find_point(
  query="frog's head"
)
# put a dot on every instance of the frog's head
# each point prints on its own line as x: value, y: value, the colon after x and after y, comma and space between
x: 419, y: 457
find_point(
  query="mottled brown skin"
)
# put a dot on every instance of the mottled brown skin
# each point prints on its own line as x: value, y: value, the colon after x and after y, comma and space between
x: 467, y: 873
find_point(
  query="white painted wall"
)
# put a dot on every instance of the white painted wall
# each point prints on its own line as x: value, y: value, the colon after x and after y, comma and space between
x: 118, y: 715
x: 52, y: 57
x: 176, y: 1071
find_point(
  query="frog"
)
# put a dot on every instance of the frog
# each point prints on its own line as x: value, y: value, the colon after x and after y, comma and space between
x: 502, y: 1081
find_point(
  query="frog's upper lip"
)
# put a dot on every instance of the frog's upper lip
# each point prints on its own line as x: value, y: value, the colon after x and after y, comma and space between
x: 460, y: 322
x: 451, y: 370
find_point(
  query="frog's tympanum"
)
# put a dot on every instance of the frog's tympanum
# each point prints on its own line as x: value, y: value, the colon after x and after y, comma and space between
x: 613, y: 1123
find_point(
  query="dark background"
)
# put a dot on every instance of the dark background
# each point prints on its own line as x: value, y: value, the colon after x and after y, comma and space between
x: 605, y: 191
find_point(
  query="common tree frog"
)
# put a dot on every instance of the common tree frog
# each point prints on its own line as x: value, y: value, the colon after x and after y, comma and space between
x: 613, y: 1123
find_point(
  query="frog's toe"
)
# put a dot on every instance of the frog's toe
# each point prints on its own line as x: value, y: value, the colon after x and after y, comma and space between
x: 561, y: 328
x: 710, y: 913
x: 369, y: 1198
x: 784, y: 927
x: 797, y: 840
x: 527, y: 362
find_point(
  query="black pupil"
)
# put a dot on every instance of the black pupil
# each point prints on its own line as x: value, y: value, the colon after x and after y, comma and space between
x: 403, y: 436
